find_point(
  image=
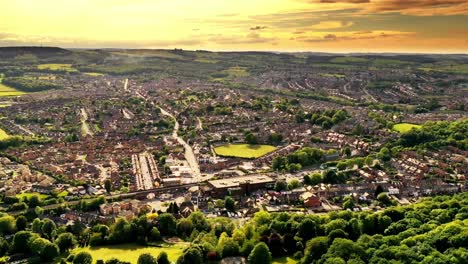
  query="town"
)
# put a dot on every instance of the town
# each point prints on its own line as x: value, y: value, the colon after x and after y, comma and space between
x: 109, y: 143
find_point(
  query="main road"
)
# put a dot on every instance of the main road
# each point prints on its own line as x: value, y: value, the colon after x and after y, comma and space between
x: 189, y: 154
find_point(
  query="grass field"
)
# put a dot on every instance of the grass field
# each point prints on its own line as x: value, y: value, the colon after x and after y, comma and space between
x: 29, y: 194
x: 56, y: 67
x: 93, y: 74
x: 131, y: 252
x: 3, y: 134
x: 284, y: 260
x: 244, y: 150
x: 8, y: 91
x: 336, y: 75
x: 405, y: 127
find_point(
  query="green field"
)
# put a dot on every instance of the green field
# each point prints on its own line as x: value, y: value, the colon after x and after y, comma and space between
x: 56, y: 67
x: 131, y: 252
x: 336, y: 75
x: 8, y: 91
x: 93, y: 74
x: 30, y: 194
x: 3, y: 134
x: 284, y: 260
x: 243, y: 150
x: 348, y: 60
x: 405, y: 127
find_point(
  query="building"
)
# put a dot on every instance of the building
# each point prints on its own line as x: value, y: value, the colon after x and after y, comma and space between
x: 238, y: 186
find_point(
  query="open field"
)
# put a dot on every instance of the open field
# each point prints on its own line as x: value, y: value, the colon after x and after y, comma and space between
x: 405, y: 127
x: 30, y: 194
x: 284, y: 260
x: 93, y: 73
x: 56, y: 67
x: 131, y: 252
x: 243, y: 150
x: 3, y: 134
x: 336, y: 75
x: 8, y: 91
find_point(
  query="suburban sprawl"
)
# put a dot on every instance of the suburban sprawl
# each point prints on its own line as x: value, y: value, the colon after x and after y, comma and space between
x: 174, y: 156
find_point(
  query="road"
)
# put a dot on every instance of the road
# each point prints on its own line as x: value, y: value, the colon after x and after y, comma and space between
x: 85, y: 130
x: 126, y: 85
x: 189, y: 154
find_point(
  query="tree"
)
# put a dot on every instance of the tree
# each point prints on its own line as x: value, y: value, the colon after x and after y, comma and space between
x: 230, y: 204
x: 21, y: 240
x: 154, y: 234
x: 48, y: 226
x: 228, y: 247
x: 37, y: 245
x: 251, y: 138
x: 65, y: 241
x: 275, y: 138
x: 307, y: 229
x: 7, y: 224
x: 260, y: 254
x: 167, y: 224
x: 315, y: 248
x: 163, y: 258
x: 384, y: 199
x: 83, y: 258
x: 199, y: 221
x: 293, y: 184
x: 191, y: 255
x: 347, y: 152
x: 146, y: 258
x: 21, y: 223
x: 281, y: 186
x: 34, y: 201
x: 108, y: 185
x: 49, y: 252
x: 184, y: 227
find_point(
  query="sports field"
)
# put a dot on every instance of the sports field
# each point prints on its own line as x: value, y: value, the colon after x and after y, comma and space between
x: 243, y: 150
x: 131, y: 252
x: 405, y: 127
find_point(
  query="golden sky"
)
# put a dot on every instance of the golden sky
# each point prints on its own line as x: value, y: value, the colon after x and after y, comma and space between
x: 273, y: 25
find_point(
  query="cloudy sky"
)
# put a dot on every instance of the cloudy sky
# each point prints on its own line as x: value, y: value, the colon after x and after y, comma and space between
x: 275, y: 25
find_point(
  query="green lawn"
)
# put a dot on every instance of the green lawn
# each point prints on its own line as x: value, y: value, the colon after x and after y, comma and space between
x: 6, y: 90
x: 131, y: 252
x: 284, y: 260
x: 93, y: 74
x: 3, y: 134
x: 56, y: 67
x: 29, y: 194
x: 405, y: 127
x: 243, y: 150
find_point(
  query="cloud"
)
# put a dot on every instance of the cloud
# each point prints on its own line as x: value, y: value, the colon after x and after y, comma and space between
x: 413, y: 7
x: 345, y: 1
x: 360, y: 35
x: 251, y: 38
x: 331, y: 24
x: 258, y: 28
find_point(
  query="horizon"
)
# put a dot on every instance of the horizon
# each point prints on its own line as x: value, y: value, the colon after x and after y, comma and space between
x: 390, y: 53
x: 328, y: 26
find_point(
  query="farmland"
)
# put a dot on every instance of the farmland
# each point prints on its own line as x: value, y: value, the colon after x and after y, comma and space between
x: 244, y: 150
x: 56, y: 67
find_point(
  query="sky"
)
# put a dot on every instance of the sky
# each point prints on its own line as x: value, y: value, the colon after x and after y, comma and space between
x: 423, y: 26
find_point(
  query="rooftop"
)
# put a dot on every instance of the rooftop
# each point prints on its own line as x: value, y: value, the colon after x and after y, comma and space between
x: 236, y: 181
